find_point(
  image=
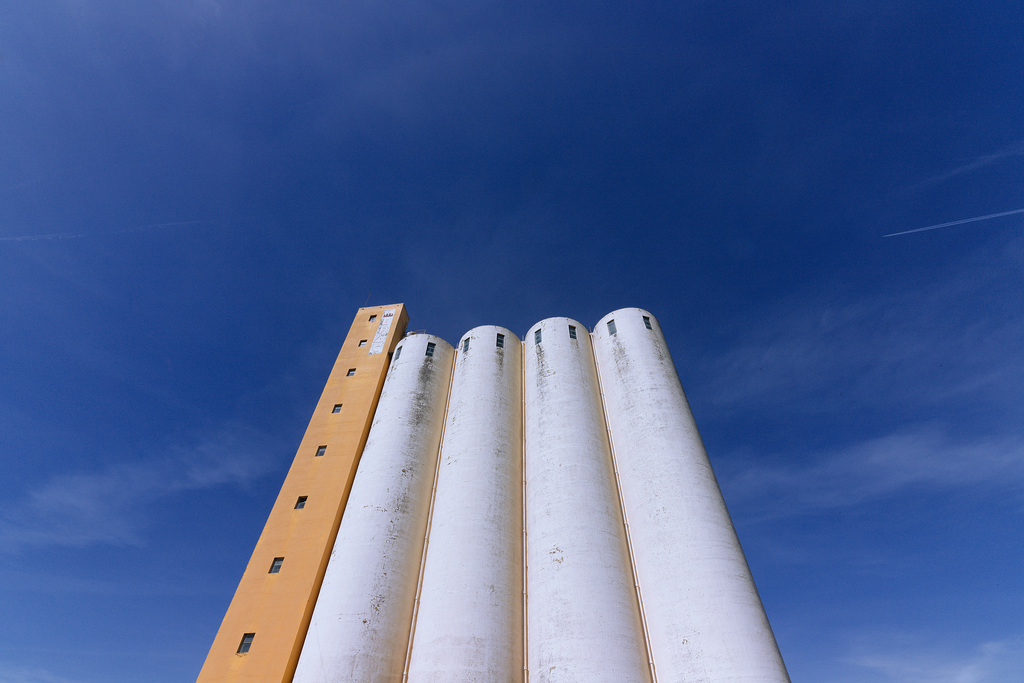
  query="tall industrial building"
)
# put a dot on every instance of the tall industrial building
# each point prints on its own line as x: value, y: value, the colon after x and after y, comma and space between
x: 501, y: 510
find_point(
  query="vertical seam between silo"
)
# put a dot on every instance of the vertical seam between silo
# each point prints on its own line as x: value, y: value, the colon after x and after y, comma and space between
x: 430, y: 519
x: 522, y: 443
x: 625, y: 517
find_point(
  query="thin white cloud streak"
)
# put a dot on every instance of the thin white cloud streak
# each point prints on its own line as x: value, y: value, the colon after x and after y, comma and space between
x: 924, y: 460
x: 16, y: 673
x: 1014, y: 149
x: 895, y: 659
x: 959, y: 222
x: 920, y: 391
x: 75, y: 235
x: 906, y: 351
x: 108, y: 506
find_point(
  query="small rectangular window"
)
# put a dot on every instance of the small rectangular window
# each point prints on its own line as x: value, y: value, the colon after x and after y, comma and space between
x: 275, y: 566
x: 372, y: 318
x: 536, y: 337
x: 398, y: 352
x: 430, y: 348
x: 611, y: 327
x: 337, y: 408
x: 351, y: 371
x: 362, y: 342
x: 465, y: 344
x: 500, y: 341
x: 572, y: 331
x: 246, y: 643
x: 321, y: 450
x: 647, y: 323
x: 301, y: 502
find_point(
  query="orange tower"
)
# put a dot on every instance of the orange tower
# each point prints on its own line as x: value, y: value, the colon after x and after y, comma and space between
x: 272, y: 606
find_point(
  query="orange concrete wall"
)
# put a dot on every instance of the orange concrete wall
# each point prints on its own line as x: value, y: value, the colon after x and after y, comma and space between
x: 277, y: 607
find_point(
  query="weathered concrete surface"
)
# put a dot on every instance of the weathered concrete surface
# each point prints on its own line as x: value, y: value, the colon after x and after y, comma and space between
x: 583, y: 620
x: 470, y: 620
x: 704, y: 617
x: 539, y: 401
x: 360, y: 625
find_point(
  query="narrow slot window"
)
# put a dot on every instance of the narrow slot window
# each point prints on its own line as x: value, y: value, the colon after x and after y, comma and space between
x: 398, y: 352
x: 430, y: 348
x: 500, y: 341
x: 301, y: 502
x: 372, y: 318
x: 572, y: 331
x: 647, y: 323
x: 275, y: 566
x: 336, y: 408
x: 321, y: 450
x: 536, y: 337
x: 246, y: 643
x: 362, y: 342
x: 611, y: 327
x: 351, y: 371
x: 465, y: 344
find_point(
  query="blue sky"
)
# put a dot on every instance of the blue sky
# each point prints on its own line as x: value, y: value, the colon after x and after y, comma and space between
x: 195, y: 196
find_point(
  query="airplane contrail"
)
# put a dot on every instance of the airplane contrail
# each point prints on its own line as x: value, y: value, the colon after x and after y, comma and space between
x: 72, y: 235
x: 959, y: 222
x: 1014, y: 149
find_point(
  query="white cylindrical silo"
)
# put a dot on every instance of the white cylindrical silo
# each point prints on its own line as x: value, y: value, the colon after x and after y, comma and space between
x: 582, y: 614
x: 705, y: 620
x: 360, y: 626
x: 469, y: 625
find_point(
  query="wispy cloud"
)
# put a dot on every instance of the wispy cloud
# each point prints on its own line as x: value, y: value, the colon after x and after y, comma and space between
x: 108, y: 505
x: 120, y: 231
x: 962, y: 221
x: 1014, y: 149
x: 923, y: 460
x: 907, y: 350
x: 900, y: 658
x: 15, y: 673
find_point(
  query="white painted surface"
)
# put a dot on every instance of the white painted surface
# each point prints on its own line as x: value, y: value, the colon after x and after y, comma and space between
x: 381, y: 335
x: 360, y: 625
x: 470, y: 620
x: 583, y: 620
x: 704, y: 617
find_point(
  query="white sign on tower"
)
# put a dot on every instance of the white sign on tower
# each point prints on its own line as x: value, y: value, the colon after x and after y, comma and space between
x: 381, y: 335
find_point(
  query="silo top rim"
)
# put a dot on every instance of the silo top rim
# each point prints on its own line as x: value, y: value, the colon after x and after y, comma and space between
x: 619, y: 311
x: 426, y: 337
x: 557, y: 319
x: 489, y: 329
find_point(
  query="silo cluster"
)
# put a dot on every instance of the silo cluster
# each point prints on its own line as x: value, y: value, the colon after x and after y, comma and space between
x: 539, y: 509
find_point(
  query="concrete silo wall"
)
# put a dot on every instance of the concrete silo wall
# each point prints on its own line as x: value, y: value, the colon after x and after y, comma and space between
x: 582, y: 613
x: 469, y: 624
x: 360, y: 626
x: 539, y: 411
x: 703, y: 614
